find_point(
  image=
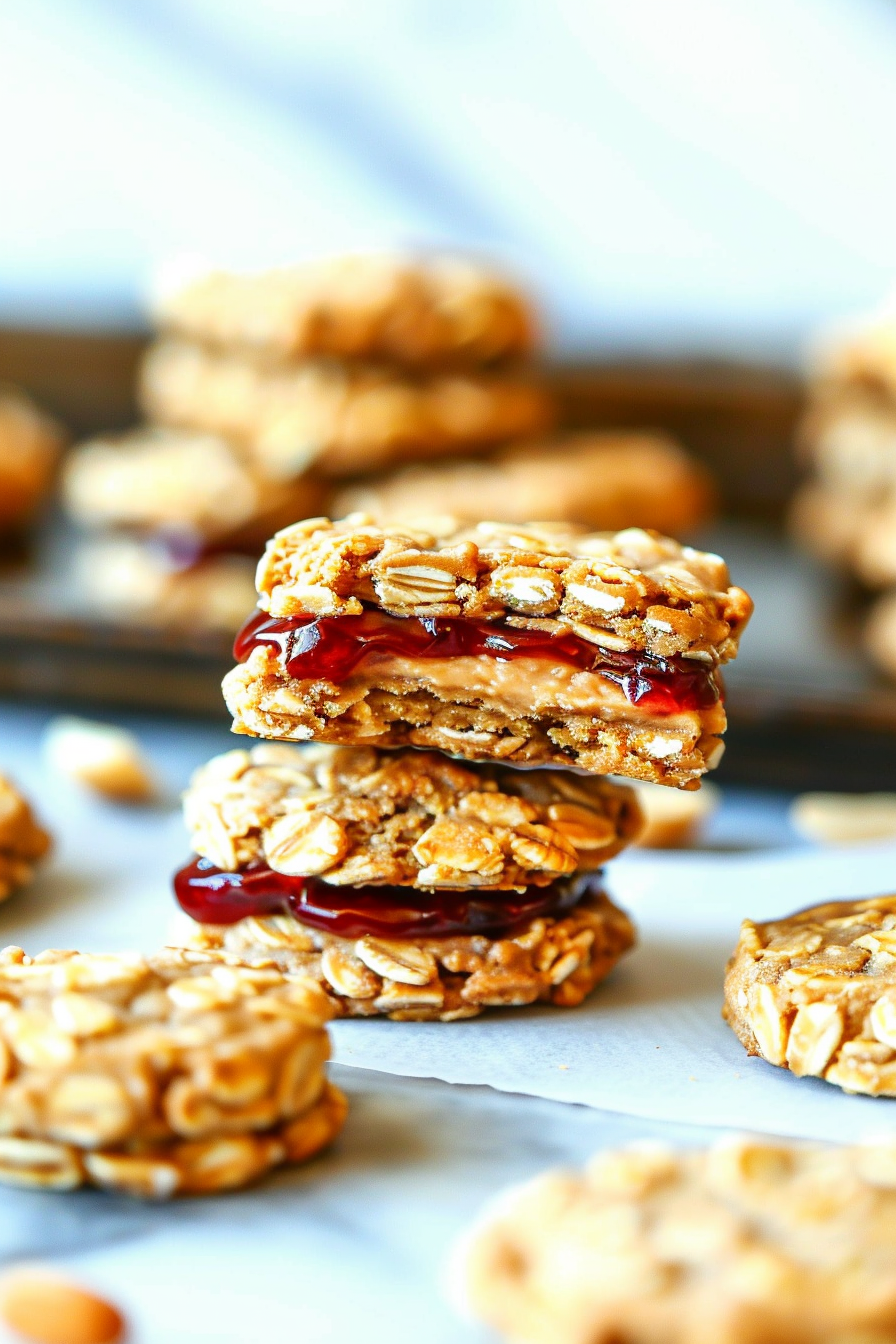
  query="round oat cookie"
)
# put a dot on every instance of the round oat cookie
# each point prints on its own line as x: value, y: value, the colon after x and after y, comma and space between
x: 171, y: 1074
x: 30, y: 446
x: 364, y: 817
x: 424, y: 312
x: 741, y: 1243
x: 439, y: 979
x: 816, y: 993
x: 23, y: 843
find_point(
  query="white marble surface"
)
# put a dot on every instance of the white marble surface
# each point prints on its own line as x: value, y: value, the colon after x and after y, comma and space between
x: 353, y: 1245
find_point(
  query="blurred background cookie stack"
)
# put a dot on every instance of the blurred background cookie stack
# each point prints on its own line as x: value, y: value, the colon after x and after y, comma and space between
x: 263, y: 391
x: 395, y: 386
x: 845, y: 511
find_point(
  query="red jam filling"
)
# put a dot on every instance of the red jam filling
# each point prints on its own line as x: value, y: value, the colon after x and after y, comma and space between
x: 212, y: 896
x: 331, y: 648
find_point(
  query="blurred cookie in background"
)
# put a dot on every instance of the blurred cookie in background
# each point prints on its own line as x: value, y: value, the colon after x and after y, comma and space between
x: 337, y: 418
x: 426, y: 312
x: 139, y: 583
x: 845, y: 511
x: 31, y: 442
x: 195, y: 490
x: 603, y: 480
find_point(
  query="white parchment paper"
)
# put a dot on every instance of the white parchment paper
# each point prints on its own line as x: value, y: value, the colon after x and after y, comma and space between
x: 649, y: 1042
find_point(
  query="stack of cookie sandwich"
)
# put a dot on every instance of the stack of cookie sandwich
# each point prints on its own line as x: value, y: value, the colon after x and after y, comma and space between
x: 262, y: 390
x: 845, y: 511
x: 413, y: 865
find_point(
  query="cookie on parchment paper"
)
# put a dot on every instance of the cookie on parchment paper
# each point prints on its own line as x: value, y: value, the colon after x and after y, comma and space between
x: 484, y: 838
x: 157, y: 1076
x: 746, y: 1242
x: 816, y: 993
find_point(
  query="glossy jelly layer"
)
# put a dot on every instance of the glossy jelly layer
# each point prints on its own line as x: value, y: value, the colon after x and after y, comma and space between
x: 331, y: 648
x: 213, y: 896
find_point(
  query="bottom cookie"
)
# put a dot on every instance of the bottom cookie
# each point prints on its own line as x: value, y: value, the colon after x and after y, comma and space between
x: 200, y: 1167
x: 442, y: 979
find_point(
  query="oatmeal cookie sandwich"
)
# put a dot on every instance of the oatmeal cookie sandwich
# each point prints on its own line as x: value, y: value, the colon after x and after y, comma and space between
x: 405, y: 883
x: 533, y: 645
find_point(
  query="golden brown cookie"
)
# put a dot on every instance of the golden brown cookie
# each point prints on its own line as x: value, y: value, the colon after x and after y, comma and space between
x: 816, y: 993
x: 410, y: 818
x: 438, y: 979
x: 336, y: 419
x: 605, y: 481
x: 30, y: 444
x: 742, y: 1243
x: 171, y: 1074
x: 419, y: 313
x: 195, y: 487
x: 536, y: 645
x: 23, y: 843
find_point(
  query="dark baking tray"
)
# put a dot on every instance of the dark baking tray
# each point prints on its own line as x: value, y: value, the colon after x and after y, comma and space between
x: 805, y: 708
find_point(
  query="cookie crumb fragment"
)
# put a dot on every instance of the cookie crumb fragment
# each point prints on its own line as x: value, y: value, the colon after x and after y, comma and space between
x: 105, y: 759
x: 45, y: 1308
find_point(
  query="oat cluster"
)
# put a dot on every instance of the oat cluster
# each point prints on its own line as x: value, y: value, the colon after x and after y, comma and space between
x: 743, y: 1243
x: 434, y: 312
x: 625, y: 590
x: 442, y: 979
x: 155, y: 480
x: 336, y: 418
x: 816, y: 993
x: 175, y: 1073
x: 23, y: 843
x: 365, y: 817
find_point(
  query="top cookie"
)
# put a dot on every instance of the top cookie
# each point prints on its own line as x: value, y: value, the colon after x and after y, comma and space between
x: 428, y: 313
x: 740, y: 1243
x: 366, y: 817
x: 630, y: 590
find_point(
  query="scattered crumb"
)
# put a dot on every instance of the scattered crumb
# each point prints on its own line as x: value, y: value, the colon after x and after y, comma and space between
x: 100, y: 757
x: 47, y: 1309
